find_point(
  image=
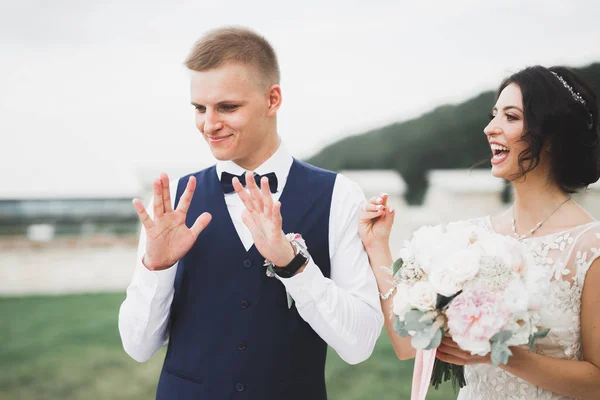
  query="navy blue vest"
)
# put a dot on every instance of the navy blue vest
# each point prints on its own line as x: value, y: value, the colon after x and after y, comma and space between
x: 232, y: 335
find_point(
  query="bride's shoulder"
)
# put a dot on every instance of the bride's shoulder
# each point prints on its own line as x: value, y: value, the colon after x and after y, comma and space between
x: 492, y: 223
x: 586, y: 234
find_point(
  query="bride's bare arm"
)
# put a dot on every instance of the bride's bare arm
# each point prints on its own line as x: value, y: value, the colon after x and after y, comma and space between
x: 383, y: 257
x: 375, y: 225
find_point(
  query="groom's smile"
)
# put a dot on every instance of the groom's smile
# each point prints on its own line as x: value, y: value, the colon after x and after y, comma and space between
x: 235, y: 113
x: 215, y: 140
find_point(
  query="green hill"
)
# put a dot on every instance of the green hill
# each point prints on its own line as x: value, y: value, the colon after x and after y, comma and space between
x: 450, y: 136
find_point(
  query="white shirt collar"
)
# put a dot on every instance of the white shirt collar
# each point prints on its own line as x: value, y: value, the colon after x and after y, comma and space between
x: 280, y: 163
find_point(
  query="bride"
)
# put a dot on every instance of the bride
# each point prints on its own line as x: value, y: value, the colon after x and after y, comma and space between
x: 543, y: 133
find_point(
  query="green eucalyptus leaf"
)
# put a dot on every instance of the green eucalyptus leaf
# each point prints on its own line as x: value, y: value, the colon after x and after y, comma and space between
x: 396, y: 266
x: 421, y: 339
x: 436, y: 340
x: 413, y: 321
x: 500, y: 353
x: 502, y: 337
x: 535, y: 336
x: 531, y: 343
x: 400, y: 327
x: 542, y: 334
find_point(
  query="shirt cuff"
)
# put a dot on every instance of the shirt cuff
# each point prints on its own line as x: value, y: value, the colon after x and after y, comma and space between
x: 155, y: 283
x: 305, y: 285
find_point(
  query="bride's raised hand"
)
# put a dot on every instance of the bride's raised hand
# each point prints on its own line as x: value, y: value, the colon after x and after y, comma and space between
x: 375, y: 222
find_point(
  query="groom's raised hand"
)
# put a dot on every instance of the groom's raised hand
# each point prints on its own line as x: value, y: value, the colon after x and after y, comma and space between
x: 262, y: 216
x: 168, y: 237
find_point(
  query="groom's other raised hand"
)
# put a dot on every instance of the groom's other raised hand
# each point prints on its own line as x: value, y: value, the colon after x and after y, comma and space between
x: 167, y: 236
x: 262, y: 216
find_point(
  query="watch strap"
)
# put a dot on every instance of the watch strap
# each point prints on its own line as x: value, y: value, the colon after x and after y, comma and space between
x: 297, y: 262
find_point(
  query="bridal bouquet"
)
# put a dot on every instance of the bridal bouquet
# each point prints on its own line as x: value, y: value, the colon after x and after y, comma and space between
x: 476, y: 285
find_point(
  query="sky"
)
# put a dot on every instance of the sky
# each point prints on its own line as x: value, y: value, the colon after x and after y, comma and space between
x: 94, y: 95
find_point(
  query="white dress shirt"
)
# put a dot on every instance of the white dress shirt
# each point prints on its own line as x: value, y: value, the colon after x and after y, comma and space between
x: 345, y: 310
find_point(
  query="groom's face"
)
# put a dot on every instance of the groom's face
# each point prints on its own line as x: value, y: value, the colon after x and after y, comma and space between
x: 234, y: 112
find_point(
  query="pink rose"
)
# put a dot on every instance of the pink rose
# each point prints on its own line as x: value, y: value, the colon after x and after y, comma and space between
x: 474, y: 317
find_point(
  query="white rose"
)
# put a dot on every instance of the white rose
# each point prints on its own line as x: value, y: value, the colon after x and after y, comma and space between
x: 443, y: 282
x: 422, y: 296
x: 480, y: 348
x: 521, y: 328
x: 516, y: 297
x: 424, y: 240
x: 463, y: 234
x: 476, y: 347
x: 465, y: 264
x: 400, y: 302
x: 460, y: 226
x: 506, y: 249
x: 453, y: 270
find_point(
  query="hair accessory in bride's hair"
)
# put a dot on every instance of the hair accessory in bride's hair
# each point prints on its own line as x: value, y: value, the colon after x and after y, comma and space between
x: 576, y: 96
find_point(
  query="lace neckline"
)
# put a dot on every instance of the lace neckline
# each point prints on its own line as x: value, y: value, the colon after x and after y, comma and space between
x: 488, y: 220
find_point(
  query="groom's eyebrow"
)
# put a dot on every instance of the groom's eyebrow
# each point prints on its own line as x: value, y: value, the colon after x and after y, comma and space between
x: 224, y: 102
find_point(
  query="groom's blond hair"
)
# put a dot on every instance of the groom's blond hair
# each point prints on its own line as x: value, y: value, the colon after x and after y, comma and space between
x: 235, y: 45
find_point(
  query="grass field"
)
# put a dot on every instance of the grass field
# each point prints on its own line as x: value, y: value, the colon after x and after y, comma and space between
x: 68, y: 348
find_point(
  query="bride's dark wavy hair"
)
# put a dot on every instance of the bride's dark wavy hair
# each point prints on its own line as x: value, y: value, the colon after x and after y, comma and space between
x: 554, y: 116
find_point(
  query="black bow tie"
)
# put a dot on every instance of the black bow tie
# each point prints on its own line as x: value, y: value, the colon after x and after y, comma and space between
x: 227, y: 181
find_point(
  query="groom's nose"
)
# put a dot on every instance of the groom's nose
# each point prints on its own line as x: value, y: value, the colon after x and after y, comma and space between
x: 212, y: 122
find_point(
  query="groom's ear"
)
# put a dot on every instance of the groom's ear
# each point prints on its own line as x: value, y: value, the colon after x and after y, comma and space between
x: 274, y: 98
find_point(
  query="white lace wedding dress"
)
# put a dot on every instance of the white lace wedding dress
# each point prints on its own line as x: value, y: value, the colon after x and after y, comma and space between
x: 569, y: 255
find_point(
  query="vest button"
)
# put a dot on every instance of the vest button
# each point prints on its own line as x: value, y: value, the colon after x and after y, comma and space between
x: 241, y: 346
x: 239, y: 387
x: 247, y: 263
x: 244, y: 304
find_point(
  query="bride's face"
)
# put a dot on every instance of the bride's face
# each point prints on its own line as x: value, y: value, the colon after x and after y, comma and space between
x: 504, y: 133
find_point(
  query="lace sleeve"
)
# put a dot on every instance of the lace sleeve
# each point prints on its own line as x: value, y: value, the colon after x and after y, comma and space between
x: 586, y: 252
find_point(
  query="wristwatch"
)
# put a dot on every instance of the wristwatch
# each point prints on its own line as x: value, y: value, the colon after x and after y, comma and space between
x: 302, y: 257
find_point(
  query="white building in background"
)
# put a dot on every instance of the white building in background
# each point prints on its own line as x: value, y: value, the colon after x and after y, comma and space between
x: 67, y: 266
x: 373, y: 182
x: 452, y: 195
x: 463, y: 194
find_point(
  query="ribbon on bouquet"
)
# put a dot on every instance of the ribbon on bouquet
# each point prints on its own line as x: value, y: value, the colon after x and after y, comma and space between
x: 424, y: 361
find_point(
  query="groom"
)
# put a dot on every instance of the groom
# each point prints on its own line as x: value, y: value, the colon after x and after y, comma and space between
x: 200, y: 283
